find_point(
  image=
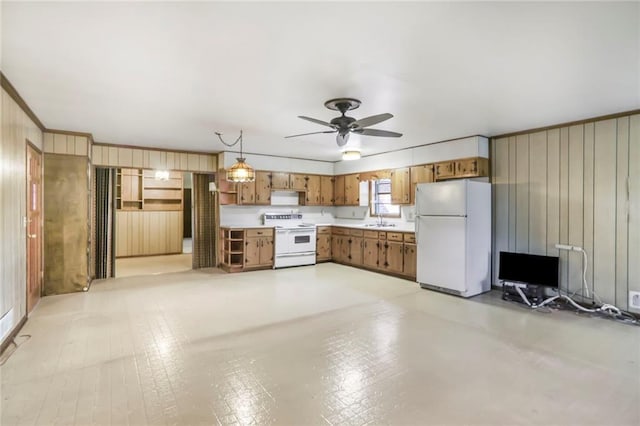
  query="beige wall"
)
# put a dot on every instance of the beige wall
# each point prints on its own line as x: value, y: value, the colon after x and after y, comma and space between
x: 576, y: 185
x: 17, y: 128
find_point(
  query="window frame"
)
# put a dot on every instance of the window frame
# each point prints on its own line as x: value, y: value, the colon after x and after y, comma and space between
x: 373, y: 194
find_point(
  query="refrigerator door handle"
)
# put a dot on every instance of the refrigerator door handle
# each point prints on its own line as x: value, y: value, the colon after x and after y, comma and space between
x: 417, y: 229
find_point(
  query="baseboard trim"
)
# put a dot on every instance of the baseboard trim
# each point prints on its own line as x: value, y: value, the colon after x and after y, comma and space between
x: 6, y: 342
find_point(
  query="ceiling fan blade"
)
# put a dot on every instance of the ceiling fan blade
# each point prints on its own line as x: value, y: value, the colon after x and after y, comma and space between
x: 312, y: 133
x: 342, y: 139
x: 370, y: 121
x: 377, y: 132
x: 315, y: 120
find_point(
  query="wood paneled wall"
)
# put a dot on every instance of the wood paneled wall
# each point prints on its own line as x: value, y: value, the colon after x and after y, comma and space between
x: 60, y: 143
x: 17, y: 128
x: 141, y: 233
x: 576, y: 185
x: 115, y: 156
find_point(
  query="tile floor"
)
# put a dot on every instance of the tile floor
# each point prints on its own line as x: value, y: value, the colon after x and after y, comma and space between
x: 324, y: 344
x: 153, y: 265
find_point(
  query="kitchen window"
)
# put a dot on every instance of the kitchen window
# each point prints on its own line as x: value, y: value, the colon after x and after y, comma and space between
x: 381, y: 199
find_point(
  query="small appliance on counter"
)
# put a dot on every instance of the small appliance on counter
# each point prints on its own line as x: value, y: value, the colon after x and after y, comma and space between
x: 453, y: 234
x: 295, y: 241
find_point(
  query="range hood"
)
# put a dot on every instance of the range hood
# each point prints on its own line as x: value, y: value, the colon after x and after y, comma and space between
x: 285, y: 198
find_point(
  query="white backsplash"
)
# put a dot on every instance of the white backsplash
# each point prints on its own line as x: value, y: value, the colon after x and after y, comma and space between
x: 252, y: 215
x: 344, y: 215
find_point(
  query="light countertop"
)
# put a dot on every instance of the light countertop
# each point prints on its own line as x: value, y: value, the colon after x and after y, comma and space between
x: 408, y: 227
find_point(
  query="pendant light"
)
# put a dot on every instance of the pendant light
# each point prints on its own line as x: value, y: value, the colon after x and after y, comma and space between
x: 240, y: 171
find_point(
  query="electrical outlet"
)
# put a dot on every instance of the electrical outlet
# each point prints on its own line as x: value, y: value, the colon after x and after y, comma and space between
x: 634, y: 299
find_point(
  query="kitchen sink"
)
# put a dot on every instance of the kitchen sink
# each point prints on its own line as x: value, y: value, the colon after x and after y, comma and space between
x: 379, y: 225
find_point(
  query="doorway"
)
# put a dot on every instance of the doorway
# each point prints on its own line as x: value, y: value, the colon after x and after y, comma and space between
x: 34, y: 226
x: 153, y: 222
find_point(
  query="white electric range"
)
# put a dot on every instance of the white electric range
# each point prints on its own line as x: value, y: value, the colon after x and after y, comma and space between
x: 295, y: 241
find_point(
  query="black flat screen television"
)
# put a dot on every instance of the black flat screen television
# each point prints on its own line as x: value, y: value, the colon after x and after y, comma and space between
x: 529, y: 269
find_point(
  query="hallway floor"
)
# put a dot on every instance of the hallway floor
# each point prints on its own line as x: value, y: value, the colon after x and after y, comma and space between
x: 325, y: 344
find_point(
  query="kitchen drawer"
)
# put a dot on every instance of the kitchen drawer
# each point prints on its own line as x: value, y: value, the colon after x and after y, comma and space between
x: 323, y: 230
x: 371, y: 234
x: 339, y: 231
x: 410, y: 238
x: 394, y: 236
x: 259, y: 232
x: 382, y: 235
x: 356, y: 232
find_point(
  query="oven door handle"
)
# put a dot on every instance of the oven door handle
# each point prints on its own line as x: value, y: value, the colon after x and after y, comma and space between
x: 304, y: 253
x: 297, y: 231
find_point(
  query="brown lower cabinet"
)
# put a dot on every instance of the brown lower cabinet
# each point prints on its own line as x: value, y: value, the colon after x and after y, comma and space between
x: 386, y: 252
x: 323, y: 244
x: 410, y: 259
x: 245, y: 249
x: 394, y: 253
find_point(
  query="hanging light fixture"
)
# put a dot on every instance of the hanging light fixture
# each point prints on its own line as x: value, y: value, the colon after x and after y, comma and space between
x: 240, y: 171
x: 350, y: 155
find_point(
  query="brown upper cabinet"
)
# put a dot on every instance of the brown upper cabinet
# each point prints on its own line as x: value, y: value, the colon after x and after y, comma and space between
x: 400, y: 186
x: 297, y: 182
x: 471, y: 167
x: 256, y: 192
x: 313, y: 190
x: 263, y: 187
x: 420, y: 174
x: 326, y: 190
x: 352, y: 189
x: 247, y: 193
x: 338, y: 190
x: 464, y: 167
x: 445, y: 170
x: 280, y: 180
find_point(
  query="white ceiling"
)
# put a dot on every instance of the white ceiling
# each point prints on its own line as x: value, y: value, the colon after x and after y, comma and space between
x: 170, y: 74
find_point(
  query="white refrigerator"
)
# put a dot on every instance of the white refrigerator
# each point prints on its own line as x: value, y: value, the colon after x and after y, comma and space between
x: 453, y: 232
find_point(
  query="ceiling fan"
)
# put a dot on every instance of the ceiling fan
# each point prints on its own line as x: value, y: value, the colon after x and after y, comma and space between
x: 344, y: 125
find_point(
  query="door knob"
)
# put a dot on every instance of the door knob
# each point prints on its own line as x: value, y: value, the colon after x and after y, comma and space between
x: 32, y: 235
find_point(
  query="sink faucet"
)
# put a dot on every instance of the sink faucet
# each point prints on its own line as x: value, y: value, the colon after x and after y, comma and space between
x: 379, y: 219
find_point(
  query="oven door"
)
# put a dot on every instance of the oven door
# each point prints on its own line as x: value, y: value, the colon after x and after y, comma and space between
x: 282, y: 242
x: 302, y: 240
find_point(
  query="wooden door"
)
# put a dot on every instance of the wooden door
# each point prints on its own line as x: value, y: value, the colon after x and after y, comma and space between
x: 326, y: 190
x: 252, y: 251
x: 352, y: 190
x: 338, y: 190
x: 263, y: 187
x: 335, y: 247
x: 323, y: 244
x: 297, y: 182
x: 370, y: 252
x: 400, y: 186
x: 410, y: 260
x: 471, y: 167
x: 382, y: 254
x: 395, y: 256
x: 266, y: 251
x: 280, y: 180
x: 420, y: 174
x: 444, y: 170
x: 34, y: 227
x: 355, y: 251
x: 247, y: 192
x: 313, y: 190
